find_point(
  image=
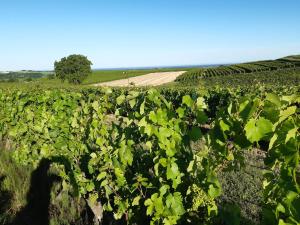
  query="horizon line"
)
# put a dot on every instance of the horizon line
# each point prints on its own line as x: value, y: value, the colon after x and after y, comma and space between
x: 153, y: 67
x: 134, y: 67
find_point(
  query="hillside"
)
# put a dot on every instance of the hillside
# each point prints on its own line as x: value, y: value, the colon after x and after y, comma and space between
x: 285, y: 63
x: 295, y: 59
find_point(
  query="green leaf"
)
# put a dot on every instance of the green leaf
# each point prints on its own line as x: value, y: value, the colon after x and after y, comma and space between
x: 149, y: 145
x: 93, y: 155
x: 132, y: 103
x: 101, y: 176
x: 107, y: 207
x: 212, y: 210
x: 158, y: 204
x: 180, y: 111
x: 214, y: 191
x: 125, y: 153
x: 74, y: 123
x: 93, y: 198
x: 187, y: 100
x: 13, y: 132
x: 95, y: 105
x: 273, y: 140
x: 281, y: 222
x: 201, y: 103
x: 142, y: 122
x: 256, y: 130
x: 163, y: 190
x: 201, y: 117
x: 163, y: 133
x: 142, y: 108
x: 172, y: 171
x: 120, y: 176
x: 171, y: 220
x: 161, y: 116
x: 279, y: 209
x: 153, y: 117
x: 136, y: 201
x: 270, y: 112
x: 174, y: 203
x: 173, y: 174
x: 104, y: 183
x: 163, y: 162
x: 149, y: 129
x: 291, y: 134
x: 247, y: 109
x: 45, y: 150
x: 191, y: 166
x: 224, y: 126
x: 90, y: 187
x: 291, y: 99
x: 274, y: 99
x: 195, y: 133
x: 287, y: 112
x: 121, y: 99
x: 150, y: 207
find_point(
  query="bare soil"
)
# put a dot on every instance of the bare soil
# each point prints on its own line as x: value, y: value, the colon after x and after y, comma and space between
x: 151, y: 79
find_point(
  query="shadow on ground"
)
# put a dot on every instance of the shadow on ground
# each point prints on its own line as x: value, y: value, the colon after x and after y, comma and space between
x: 36, y: 212
x: 5, y: 201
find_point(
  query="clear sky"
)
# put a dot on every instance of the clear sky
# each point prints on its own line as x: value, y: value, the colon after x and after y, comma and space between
x: 130, y: 33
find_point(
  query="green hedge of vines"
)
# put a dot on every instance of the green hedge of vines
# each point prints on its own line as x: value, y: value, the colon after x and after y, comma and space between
x: 132, y: 151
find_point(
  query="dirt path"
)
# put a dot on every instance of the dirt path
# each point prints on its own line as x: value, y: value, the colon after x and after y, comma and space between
x: 151, y: 79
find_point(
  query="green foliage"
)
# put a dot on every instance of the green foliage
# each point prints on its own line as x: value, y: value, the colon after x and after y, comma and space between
x: 132, y: 150
x: 256, y: 130
x: 275, y: 80
x: 130, y: 160
x: 274, y: 120
x: 246, y: 69
x: 21, y: 75
x: 74, y: 68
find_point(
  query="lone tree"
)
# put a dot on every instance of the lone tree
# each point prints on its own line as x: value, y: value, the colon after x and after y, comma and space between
x: 74, y: 68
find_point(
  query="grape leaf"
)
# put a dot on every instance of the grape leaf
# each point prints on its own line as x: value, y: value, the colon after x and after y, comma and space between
x: 256, y: 130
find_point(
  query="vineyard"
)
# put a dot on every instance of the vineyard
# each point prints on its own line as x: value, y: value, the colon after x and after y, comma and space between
x: 131, y: 153
x: 283, y: 64
x: 275, y: 80
x: 150, y: 112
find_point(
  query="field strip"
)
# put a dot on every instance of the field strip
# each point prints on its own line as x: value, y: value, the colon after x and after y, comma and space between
x: 151, y: 79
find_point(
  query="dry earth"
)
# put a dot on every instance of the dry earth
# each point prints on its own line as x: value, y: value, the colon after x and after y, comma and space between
x: 151, y: 79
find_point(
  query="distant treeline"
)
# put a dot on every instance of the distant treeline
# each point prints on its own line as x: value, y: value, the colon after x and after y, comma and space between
x: 28, y: 75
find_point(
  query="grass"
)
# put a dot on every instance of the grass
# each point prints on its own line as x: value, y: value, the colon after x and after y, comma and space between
x: 42, y: 82
x: 243, y: 190
x: 109, y: 75
x: 97, y: 76
x: 14, y: 184
x: 23, y: 194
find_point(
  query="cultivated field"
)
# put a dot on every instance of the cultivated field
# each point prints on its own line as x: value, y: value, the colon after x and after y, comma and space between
x: 151, y: 79
x: 217, y: 145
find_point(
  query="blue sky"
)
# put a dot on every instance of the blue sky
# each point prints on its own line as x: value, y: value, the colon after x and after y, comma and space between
x: 129, y: 33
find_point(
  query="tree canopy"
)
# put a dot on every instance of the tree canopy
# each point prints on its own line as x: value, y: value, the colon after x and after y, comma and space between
x: 74, y: 68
